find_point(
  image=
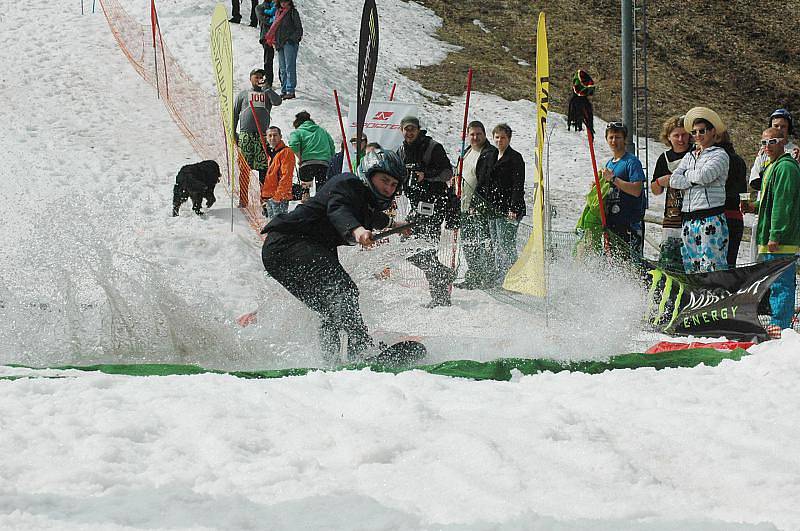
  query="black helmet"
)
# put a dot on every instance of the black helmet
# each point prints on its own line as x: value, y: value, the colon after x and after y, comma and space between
x: 386, y: 162
x: 786, y: 115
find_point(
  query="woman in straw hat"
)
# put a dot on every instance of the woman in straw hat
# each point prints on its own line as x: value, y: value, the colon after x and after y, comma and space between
x: 701, y: 176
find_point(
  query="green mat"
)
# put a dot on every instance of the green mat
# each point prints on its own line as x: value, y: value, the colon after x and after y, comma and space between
x: 499, y: 369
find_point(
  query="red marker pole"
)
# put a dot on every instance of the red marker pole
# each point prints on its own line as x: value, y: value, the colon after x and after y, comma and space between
x: 341, y: 127
x: 590, y: 136
x: 391, y: 94
x: 459, y: 177
x: 153, y: 24
x: 464, y: 135
x: 164, y: 60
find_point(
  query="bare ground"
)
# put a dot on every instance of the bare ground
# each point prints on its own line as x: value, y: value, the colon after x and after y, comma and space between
x: 739, y: 57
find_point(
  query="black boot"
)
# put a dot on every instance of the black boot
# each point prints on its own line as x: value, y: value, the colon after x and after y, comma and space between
x: 438, y: 276
x: 440, y: 281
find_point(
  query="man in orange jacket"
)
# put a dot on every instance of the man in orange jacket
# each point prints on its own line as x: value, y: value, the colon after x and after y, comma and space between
x: 276, y: 192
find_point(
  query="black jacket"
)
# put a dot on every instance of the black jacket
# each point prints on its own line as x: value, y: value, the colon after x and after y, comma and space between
x: 198, y: 178
x: 504, y: 188
x: 428, y: 156
x: 290, y: 29
x: 486, y: 162
x: 737, y: 178
x: 344, y: 203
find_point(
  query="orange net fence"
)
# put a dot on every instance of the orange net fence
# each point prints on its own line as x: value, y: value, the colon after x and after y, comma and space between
x: 195, y: 111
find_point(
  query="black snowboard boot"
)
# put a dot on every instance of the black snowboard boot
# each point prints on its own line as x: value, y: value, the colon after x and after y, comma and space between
x: 438, y: 276
x: 439, y: 284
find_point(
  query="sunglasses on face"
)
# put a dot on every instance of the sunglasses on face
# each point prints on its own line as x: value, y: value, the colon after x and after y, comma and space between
x: 615, y: 125
x: 702, y: 131
x: 770, y: 142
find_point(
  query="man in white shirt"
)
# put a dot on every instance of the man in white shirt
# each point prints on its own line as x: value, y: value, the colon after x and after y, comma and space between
x: 479, y: 159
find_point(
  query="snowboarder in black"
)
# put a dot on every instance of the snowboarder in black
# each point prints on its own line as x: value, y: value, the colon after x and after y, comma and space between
x: 195, y: 182
x: 300, y: 250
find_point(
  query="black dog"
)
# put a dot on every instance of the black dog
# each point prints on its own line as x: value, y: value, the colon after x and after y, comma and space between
x: 195, y: 181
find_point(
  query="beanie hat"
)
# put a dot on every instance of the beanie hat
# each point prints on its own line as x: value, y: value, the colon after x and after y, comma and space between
x: 582, y: 83
x: 786, y: 115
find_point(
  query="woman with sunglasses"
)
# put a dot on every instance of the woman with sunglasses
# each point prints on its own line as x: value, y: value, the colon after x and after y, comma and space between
x: 675, y: 136
x: 701, y: 175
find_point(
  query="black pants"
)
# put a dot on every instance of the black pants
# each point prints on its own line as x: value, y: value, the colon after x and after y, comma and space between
x: 429, y: 232
x: 237, y: 15
x: 314, y: 172
x: 735, y: 233
x: 478, y: 250
x: 269, y: 58
x: 630, y: 244
x: 312, y: 273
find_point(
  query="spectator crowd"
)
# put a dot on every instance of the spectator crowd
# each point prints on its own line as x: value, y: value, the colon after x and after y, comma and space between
x: 706, y: 184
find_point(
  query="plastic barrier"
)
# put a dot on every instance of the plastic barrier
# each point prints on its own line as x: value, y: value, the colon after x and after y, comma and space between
x: 501, y: 369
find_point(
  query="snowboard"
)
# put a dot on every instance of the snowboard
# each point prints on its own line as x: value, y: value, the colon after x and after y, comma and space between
x: 400, y: 354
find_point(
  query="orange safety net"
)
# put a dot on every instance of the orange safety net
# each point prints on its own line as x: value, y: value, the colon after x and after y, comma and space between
x: 195, y: 111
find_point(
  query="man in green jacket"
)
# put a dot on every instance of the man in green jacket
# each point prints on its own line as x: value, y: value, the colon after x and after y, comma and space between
x: 313, y: 147
x: 778, y: 232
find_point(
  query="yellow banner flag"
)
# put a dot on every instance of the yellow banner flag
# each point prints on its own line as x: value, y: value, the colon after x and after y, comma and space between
x: 222, y: 63
x: 527, y: 275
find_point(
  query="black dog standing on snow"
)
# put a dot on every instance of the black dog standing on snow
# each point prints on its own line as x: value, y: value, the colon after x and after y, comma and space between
x: 196, y: 182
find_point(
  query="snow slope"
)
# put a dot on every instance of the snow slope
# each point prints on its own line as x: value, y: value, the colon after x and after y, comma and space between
x: 93, y: 268
x: 704, y: 448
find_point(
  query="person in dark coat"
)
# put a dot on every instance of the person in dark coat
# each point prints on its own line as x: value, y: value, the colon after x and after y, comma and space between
x: 300, y: 250
x: 195, y: 182
x: 285, y: 35
x: 503, y: 193
x: 735, y: 185
x: 429, y: 173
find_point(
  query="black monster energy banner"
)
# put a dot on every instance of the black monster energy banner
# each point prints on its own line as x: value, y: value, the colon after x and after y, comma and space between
x: 715, y: 304
x: 367, y: 62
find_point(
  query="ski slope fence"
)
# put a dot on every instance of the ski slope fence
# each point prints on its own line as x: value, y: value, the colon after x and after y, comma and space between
x: 195, y: 111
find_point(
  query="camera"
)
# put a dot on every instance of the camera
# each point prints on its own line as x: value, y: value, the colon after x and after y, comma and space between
x: 413, y: 167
